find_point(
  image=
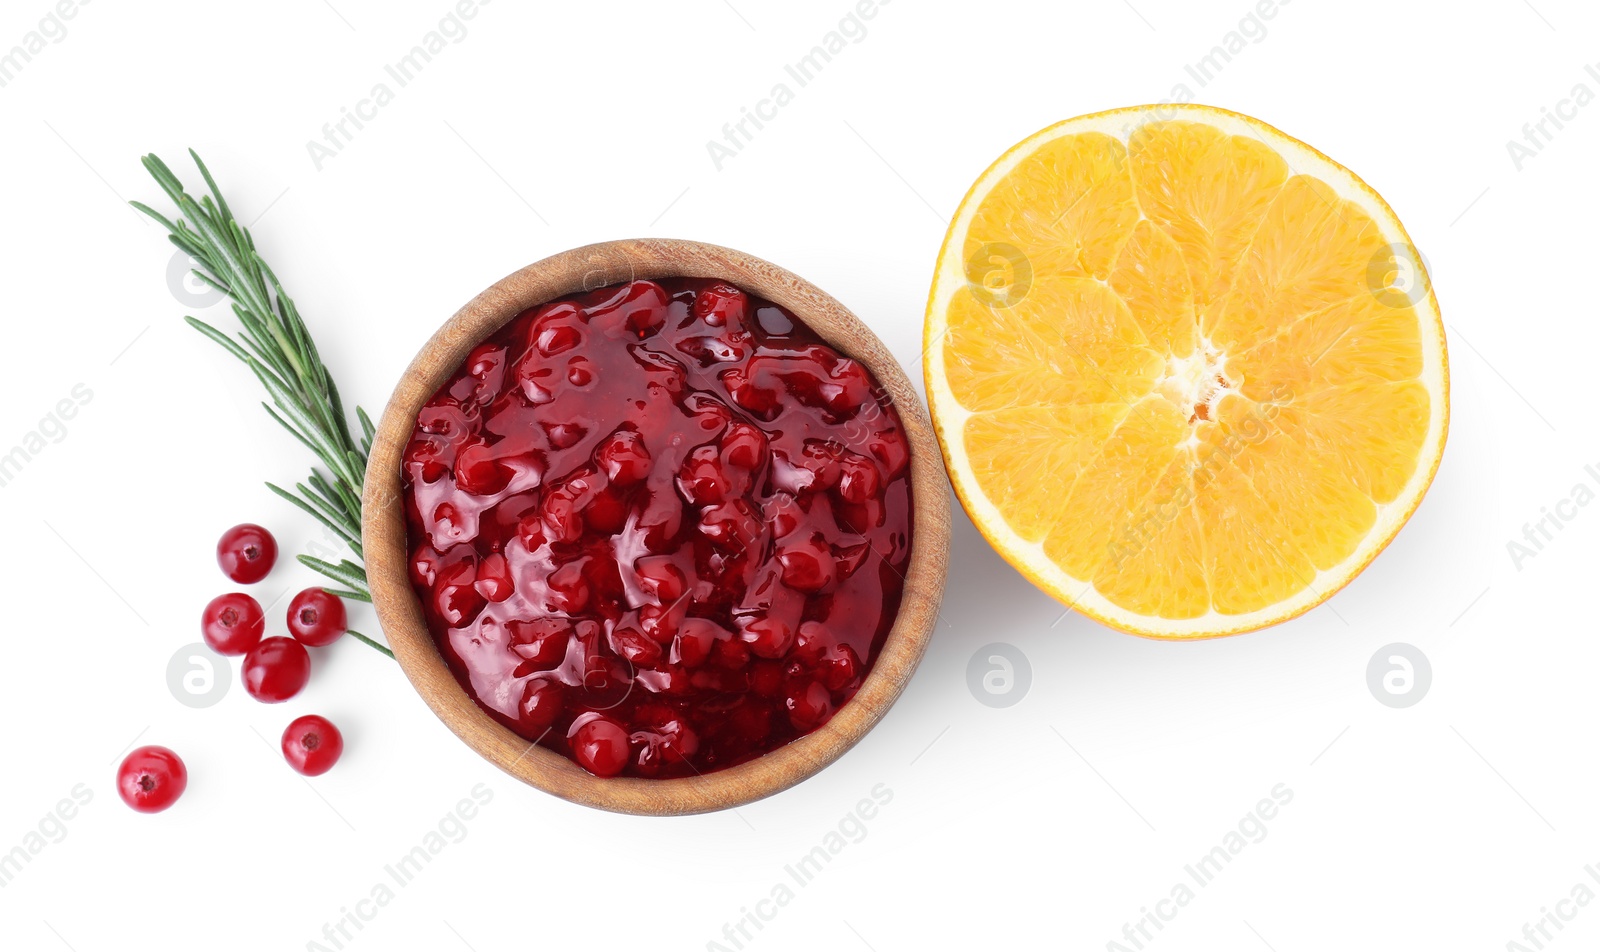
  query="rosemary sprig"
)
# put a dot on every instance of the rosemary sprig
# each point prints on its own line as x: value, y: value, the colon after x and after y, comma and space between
x: 278, y: 349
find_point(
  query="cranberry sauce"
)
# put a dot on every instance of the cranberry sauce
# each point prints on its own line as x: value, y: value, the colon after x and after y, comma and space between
x: 660, y: 527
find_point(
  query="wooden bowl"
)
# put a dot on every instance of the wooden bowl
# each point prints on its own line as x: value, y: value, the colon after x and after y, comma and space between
x: 387, y: 550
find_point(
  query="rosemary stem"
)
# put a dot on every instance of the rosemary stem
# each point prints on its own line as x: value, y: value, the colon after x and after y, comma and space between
x: 277, y: 347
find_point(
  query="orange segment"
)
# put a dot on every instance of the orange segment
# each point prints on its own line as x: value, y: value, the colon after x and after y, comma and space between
x: 1173, y: 395
x: 1208, y: 190
x: 1151, y: 278
x: 1163, y: 539
x: 1026, y: 457
x: 1312, y: 252
x: 1317, y: 509
x: 1249, y: 561
x: 1371, y: 432
x: 1357, y: 338
x: 1102, y: 504
x: 1068, y: 208
x: 1068, y: 341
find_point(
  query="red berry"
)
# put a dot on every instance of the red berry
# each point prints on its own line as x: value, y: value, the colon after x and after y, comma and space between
x: 695, y: 639
x: 276, y: 669
x: 731, y: 525
x: 622, y: 456
x: 479, y: 471
x: 455, y: 595
x: 703, y: 480
x: 809, y: 705
x: 607, y: 512
x: 849, y: 386
x: 659, y: 578
x: 768, y: 637
x: 744, y: 446
x: 541, y: 702
x: 312, y: 745
x: 557, y: 339
x: 494, y: 578
x: 542, y: 641
x: 721, y: 305
x: 643, y: 308
x: 246, y: 553
x: 600, y: 746
x: 784, y: 514
x: 858, y: 479
x: 151, y: 779
x: 232, y: 624
x: 580, y: 372
x: 840, y: 667
x: 569, y: 587
x: 730, y: 654
x: 636, y: 646
x: 316, y: 617
x: 808, y: 564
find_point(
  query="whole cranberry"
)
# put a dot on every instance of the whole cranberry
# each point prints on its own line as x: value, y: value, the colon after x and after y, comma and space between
x: 622, y: 456
x: 809, y: 705
x: 744, y: 446
x: 455, y: 594
x: 151, y: 779
x: 721, y: 305
x: 316, y: 617
x: 541, y: 702
x: 494, y: 578
x: 246, y: 553
x: 732, y: 525
x: 232, y: 624
x: 768, y: 637
x: 659, y: 577
x: 695, y: 639
x: 276, y: 669
x: 312, y: 745
x: 858, y: 479
x: 600, y: 746
x: 479, y: 470
x: 808, y: 564
x: 542, y: 641
x: 703, y: 480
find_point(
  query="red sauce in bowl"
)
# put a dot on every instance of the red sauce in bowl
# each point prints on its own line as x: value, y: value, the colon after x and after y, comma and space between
x: 660, y: 527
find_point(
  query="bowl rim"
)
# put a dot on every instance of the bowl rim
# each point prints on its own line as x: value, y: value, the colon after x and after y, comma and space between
x: 386, y: 548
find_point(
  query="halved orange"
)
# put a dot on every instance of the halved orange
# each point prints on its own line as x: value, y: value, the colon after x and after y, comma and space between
x: 1188, y: 372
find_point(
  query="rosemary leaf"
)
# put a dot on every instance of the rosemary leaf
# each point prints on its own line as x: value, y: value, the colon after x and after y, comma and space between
x: 278, y: 348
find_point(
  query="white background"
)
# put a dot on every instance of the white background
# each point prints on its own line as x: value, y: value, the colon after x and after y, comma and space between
x: 1048, y: 824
